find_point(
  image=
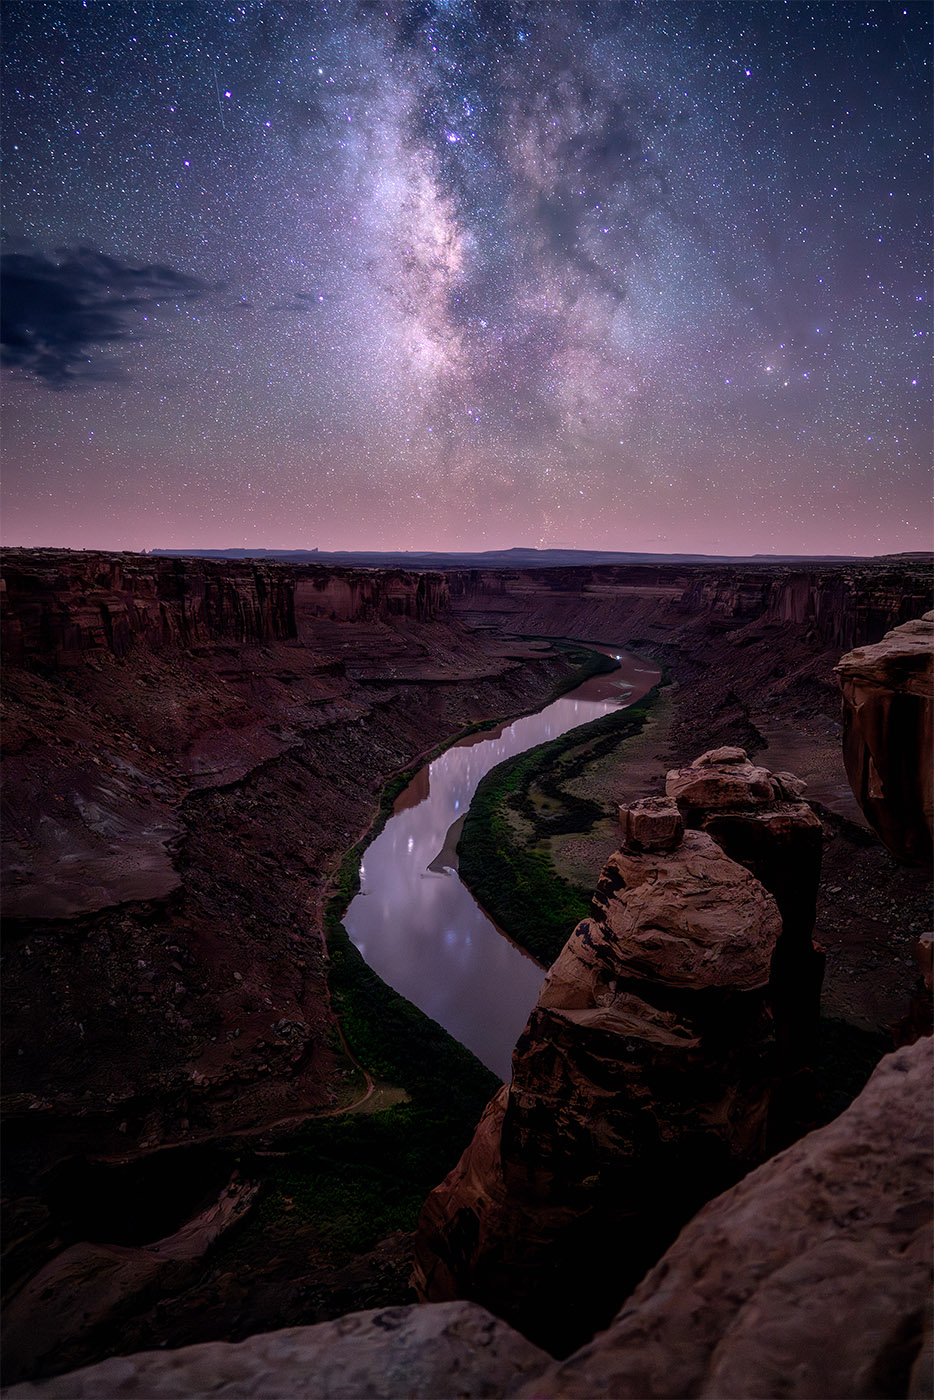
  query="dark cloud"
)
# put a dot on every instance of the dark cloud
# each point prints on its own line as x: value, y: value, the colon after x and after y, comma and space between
x: 55, y: 315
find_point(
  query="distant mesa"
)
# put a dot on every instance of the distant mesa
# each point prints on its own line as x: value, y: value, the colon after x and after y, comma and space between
x: 517, y: 556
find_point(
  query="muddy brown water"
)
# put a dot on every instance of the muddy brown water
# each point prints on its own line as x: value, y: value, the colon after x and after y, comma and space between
x: 414, y: 921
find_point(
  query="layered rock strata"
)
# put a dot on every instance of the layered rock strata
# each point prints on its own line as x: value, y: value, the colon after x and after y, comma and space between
x: 60, y: 606
x: 759, y: 819
x: 888, y: 736
x: 178, y: 784
x: 810, y: 1279
x: 839, y: 603
x: 640, y: 1088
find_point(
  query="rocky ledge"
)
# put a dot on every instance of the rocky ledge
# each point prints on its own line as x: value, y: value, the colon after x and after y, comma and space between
x: 810, y: 1279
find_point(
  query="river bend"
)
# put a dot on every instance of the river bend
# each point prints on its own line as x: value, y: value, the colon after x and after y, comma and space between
x: 414, y: 921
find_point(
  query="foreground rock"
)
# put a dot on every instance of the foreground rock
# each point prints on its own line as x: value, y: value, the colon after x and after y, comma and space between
x: 455, y: 1350
x: 759, y: 819
x: 888, y: 736
x: 84, y: 1293
x: 810, y: 1279
x: 640, y: 1089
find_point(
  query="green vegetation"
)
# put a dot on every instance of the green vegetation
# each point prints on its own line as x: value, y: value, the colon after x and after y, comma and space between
x: 358, y: 1177
x: 586, y: 663
x: 516, y: 808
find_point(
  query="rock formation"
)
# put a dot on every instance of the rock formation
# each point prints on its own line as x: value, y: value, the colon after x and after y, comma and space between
x: 455, y: 1350
x: 85, y: 1291
x: 839, y: 603
x: 189, y: 748
x: 179, y: 784
x: 640, y: 1088
x: 60, y: 606
x: 810, y: 1279
x: 758, y: 819
x: 888, y: 736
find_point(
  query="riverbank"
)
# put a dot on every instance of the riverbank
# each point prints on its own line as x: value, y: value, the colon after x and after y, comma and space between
x: 871, y: 910
x: 534, y: 805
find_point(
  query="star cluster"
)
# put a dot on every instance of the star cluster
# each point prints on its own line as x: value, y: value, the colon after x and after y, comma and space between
x: 467, y: 274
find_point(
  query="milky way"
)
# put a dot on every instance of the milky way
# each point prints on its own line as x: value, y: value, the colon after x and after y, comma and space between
x: 468, y: 275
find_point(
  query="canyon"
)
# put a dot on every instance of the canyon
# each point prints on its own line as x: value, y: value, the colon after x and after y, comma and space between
x: 191, y: 747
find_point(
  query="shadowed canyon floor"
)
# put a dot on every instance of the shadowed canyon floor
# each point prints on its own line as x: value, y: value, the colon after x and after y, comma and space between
x: 190, y: 747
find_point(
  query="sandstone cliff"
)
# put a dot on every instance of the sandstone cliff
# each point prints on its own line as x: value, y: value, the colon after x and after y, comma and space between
x: 640, y: 1087
x: 759, y: 819
x: 751, y: 648
x: 180, y: 783
x: 811, y: 1279
x: 888, y: 736
x: 840, y: 604
x: 60, y: 606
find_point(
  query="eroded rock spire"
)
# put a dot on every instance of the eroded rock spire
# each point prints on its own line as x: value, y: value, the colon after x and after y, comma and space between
x: 640, y: 1088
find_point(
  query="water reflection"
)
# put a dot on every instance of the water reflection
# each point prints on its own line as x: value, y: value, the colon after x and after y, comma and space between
x: 419, y: 927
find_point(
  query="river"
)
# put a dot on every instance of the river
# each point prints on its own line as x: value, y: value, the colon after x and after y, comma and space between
x: 414, y: 921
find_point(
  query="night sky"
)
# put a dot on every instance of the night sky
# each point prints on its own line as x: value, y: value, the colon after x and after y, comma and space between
x: 634, y: 276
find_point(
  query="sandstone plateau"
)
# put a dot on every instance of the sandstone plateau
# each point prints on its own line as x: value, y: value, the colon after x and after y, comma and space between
x: 810, y: 1279
x: 838, y: 604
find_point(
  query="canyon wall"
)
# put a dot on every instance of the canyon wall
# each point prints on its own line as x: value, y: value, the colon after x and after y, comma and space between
x: 189, y: 749
x: 841, y: 604
x: 750, y: 649
x: 190, y: 746
x: 61, y: 605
